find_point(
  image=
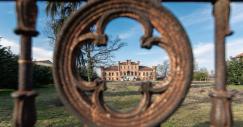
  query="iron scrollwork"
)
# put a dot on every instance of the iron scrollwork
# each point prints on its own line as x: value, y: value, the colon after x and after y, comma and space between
x: 93, y: 110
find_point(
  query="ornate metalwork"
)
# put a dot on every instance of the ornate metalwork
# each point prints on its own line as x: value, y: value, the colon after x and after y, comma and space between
x: 24, y: 110
x: 92, y: 109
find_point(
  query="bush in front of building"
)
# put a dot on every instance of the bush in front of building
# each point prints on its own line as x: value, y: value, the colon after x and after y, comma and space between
x: 8, y: 68
x: 42, y: 75
x: 9, y: 71
x: 235, y: 71
x: 200, y: 75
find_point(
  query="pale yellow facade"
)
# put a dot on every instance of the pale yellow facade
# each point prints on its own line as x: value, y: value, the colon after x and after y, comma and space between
x: 128, y: 70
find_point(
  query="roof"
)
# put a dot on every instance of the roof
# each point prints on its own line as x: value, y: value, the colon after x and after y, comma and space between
x: 115, y: 68
x: 111, y: 68
x: 239, y: 55
x: 47, y: 63
x: 145, y: 68
x: 125, y: 63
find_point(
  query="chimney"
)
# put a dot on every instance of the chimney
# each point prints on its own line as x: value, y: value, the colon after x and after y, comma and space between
x: 138, y: 62
x: 119, y: 65
x: 129, y: 61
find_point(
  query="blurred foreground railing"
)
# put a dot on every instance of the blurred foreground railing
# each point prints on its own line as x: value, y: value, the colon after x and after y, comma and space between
x: 92, y: 109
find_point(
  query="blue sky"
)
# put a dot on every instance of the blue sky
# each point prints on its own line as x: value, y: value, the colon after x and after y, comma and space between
x: 196, y: 19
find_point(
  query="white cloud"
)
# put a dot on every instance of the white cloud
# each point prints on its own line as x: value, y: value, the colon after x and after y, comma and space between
x: 38, y: 53
x: 204, y: 52
x: 155, y: 62
x: 199, y: 16
x: 9, y: 43
x: 42, y: 54
x: 204, y: 15
x: 147, y: 53
x: 133, y: 31
x: 204, y: 55
x: 236, y: 14
x: 234, y: 47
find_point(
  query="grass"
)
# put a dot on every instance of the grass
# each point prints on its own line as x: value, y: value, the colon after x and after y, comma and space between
x: 194, y: 112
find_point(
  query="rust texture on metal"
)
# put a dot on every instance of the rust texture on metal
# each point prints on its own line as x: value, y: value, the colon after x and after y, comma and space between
x: 221, y: 113
x: 92, y: 109
x: 181, y: 1
x: 151, y: 15
x: 24, y: 114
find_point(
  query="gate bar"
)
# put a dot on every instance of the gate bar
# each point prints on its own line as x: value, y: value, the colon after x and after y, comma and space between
x: 160, y: 0
x: 221, y: 112
x: 24, y: 114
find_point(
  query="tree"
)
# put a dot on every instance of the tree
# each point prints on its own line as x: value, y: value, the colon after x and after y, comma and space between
x: 59, y: 12
x: 42, y: 75
x: 162, y: 69
x: 195, y: 66
x: 201, y: 74
x: 235, y: 71
x: 8, y: 68
x: 89, y: 56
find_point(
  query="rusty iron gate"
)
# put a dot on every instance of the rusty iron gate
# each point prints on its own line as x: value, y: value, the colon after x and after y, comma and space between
x: 92, y: 109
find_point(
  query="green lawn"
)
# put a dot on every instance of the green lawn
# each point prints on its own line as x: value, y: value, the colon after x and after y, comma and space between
x: 194, y: 112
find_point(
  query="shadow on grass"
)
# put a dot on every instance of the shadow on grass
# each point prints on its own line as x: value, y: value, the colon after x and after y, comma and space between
x: 201, y: 86
x: 6, y: 92
x: 38, y: 86
x: 204, y: 124
x: 124, y: 93
x: 207, y: 124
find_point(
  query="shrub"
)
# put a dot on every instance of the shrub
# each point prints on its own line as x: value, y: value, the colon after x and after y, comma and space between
x: 8, y: 68
x: 42, y: 75
x: 9, y: 71
x: 235, y: 71
x: 200, y: 75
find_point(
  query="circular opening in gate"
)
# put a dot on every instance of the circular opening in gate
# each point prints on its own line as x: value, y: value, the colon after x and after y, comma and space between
x: 131, y: 65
